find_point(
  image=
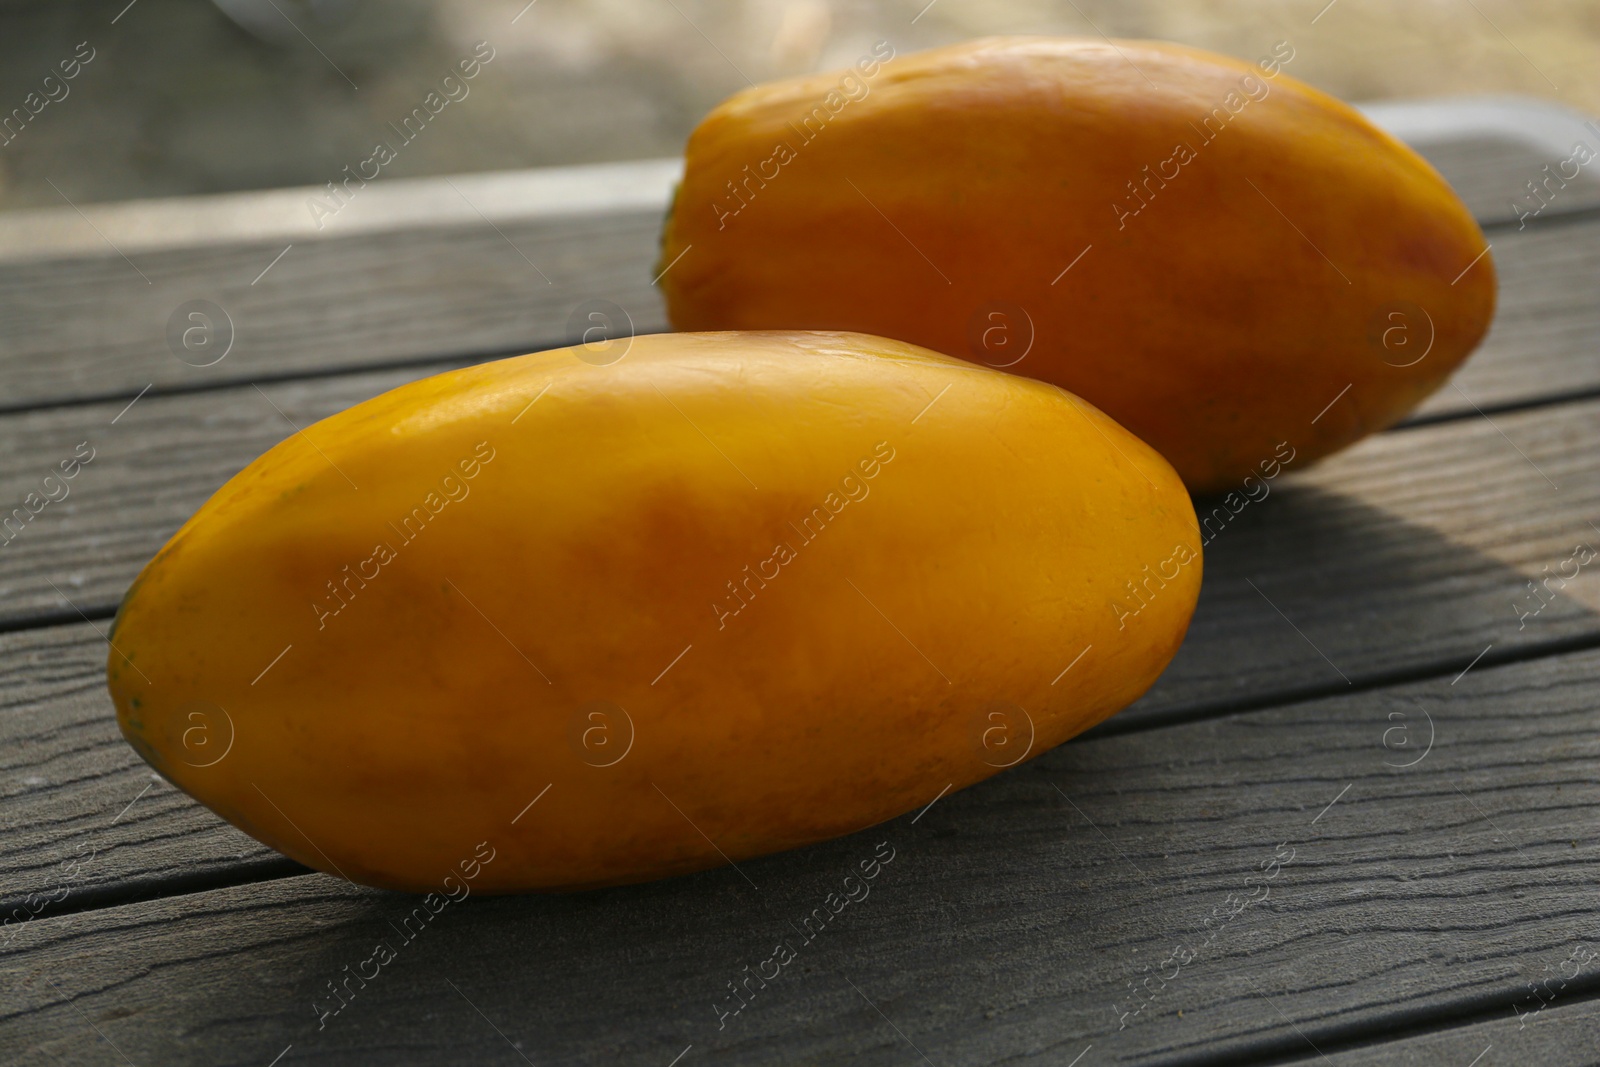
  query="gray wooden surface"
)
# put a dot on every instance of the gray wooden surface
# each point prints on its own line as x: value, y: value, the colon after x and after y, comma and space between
x: 1357, y: 687
x: 1371, y: 541
x: 1491, y: 147
x: 411, y: 270
x: 1563, y: 1033
x: 1011, y: 920
x: 493, y: 265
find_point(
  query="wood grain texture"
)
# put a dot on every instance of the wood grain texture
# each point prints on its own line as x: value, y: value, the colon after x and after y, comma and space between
x: 1490, y: 147
x: 1415, y: 547
x: 1008, y: 928
x: 1565, y: 1033
x: 1375, y: 565
x: 1406, y: 551
x: 80, y: 812
x: 1492, y: 176
x: 409, y: 270
x: 1541, y: 342
x: 150, y: 466
x: 1015, y: 913
x: 496, y: 264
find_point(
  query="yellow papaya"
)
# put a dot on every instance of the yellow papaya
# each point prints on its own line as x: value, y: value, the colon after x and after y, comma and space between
x: 1220, y: 257
x: 570, y: 624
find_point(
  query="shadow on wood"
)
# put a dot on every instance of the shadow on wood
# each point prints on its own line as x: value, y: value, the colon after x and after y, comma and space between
x: 1094, y: 895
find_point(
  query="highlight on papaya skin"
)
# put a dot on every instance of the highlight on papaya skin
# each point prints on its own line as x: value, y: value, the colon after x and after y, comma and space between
x: 769, y: 588
x: 1223, y: 261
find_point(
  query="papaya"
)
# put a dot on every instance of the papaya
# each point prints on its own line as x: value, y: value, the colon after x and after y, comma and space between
x: 607, y: 622
x: 1221, y: 258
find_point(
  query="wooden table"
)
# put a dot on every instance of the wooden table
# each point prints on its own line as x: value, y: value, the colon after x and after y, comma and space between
x: 1367, y: 719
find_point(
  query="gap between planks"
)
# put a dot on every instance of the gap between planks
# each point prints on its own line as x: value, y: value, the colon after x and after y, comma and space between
x: 251, y: 872
x: 442, y: 361
x: 1381, y: 1027
x: 1315, y: 1044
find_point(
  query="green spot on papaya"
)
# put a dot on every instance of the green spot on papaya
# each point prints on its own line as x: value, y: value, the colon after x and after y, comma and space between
x: 666, y: 227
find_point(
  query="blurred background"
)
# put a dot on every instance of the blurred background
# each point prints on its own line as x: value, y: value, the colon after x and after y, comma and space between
x: 195, y: 96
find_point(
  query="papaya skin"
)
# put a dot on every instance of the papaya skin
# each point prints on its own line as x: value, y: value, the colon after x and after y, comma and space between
x: 1220, y: 303
x: 590, y: 558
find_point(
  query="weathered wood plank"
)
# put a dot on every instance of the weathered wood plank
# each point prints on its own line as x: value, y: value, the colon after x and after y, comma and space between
x: 409, y: 270
x: 79, y: 811
x: 1379, y: 557
x: 1414, y: 548
x: 1375, y: 561
x: 1375, y: 565
x: 1378, y: 562
x: 493, y: 264
x: 1564, y: 1033
x: 1490, y: 147
x: 145, y: 469
x: 1492, y: 177
x: 1009, y: 927
x: 1542, y: 341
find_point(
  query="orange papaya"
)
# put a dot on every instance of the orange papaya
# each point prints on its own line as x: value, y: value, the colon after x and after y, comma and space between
x: 545, y: 623
x: 1222, y: 258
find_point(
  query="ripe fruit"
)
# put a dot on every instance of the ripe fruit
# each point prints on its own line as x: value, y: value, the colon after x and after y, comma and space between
x: 731, y: 594
x: 1207, y: 250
